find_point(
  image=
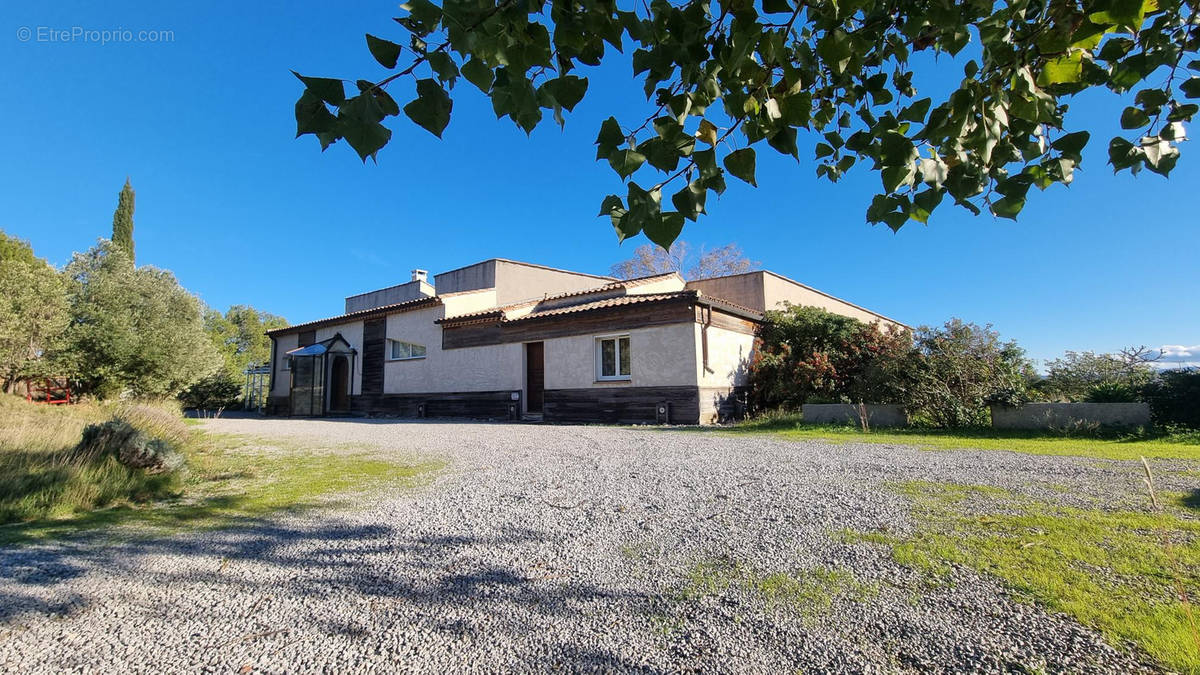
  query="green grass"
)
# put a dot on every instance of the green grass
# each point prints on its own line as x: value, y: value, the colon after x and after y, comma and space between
x: 811, y: 592
x: 1163, y: 446
x: 46, y: 493
x: 1107, y: 568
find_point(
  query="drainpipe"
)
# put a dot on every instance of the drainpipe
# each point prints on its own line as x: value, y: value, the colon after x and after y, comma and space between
x: 706, y: 311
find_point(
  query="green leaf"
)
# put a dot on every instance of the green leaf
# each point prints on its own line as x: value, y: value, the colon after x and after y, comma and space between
x: 661, y: 154
x: 327, y: 89
x: 706, y: 162
x: 443, y: 66
x: 478, y: 74
x: 707, y: 132
x: 610, y: 204
x: 431, y: 108
x: 1191, y: 87
x: 784, y: 141
x: 664, y: 229
x: 916, y: 111
x: 513, y: 95
x: 776, y: 6
x: 924, y: 204
x: 823, y: 150
x: 740, y: 163
x: 1160, y: 155
x: 626, y: 161
x: 690, y: 200
x: 611, y: 137
x: 1065, y: 69
x: 895, y: 176
x: 364, y: 135
x: 423, y: 11
x: 1150, y: 99
x: 1124, y: 13
x: 835, y: 50
x: 567, y: 90
x: 1122, y: 154
x: 896, y: 149
x: 642, y: 201
x: 312, y: 117
x: 1008, y: 207
x: 385, y: 52
x: 1183, y: 112
x: 625, y: 225
x: 1134, y: 118
x: 1072, y: 144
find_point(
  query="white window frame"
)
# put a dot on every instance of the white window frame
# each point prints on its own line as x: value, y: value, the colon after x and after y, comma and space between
x: 616, y: 339
x: 391, y: 350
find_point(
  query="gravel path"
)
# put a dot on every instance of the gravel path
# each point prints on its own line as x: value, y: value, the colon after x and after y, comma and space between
x: 543, y: 547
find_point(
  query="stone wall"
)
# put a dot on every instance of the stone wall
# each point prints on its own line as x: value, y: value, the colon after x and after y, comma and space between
x: 1066, y: 416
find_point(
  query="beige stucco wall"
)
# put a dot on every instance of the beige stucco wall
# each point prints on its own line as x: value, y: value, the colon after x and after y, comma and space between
x: 489, y: 368
x: 729, y: 354
x: 742, y: 289
x: 765, y: 290
x: 516, y: 282
x: 468, y: 302
x: 666, y: 285
x: 282, y: 383
x: 777, y: 290
x: 660, y: 356
x: 392, y: 295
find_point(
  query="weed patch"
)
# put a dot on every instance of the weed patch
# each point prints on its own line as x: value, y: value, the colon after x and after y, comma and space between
x: 1107, y: 568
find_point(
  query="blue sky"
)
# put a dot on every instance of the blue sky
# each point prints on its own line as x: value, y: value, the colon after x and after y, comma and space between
x: 244, y: 213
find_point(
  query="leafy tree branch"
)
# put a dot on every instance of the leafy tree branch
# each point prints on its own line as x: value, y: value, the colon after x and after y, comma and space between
x: 839, y: 71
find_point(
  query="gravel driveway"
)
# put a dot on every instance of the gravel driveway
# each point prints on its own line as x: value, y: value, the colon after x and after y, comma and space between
x: 556, y: 547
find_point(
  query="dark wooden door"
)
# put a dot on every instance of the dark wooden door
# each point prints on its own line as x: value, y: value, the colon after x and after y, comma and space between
x: 339, y: 383
x: 535, y: 376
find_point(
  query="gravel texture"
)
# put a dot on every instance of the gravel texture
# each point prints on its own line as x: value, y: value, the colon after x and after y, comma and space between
x: 555, y: 547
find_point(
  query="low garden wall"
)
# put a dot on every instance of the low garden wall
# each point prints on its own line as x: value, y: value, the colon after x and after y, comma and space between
x: 878, y: 415
x: 1047, y: 416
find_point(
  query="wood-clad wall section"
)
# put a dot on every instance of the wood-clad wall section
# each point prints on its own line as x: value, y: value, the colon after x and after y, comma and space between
x: 374, y: 339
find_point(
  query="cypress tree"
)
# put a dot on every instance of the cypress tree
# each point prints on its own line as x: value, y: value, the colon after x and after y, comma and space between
x: 122, y: 233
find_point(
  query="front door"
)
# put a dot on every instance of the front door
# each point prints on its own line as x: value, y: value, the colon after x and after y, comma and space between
x: 339, y: 383
x: 535, y: 376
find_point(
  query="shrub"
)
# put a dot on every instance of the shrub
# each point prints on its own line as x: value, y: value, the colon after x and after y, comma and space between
x: 958, y: 369
x: 1174, y: 398
x: 809, y: 354
x: 131, y: 447
x: 1112, y: 392
x: 1076, y: 375
x: 215, y: 392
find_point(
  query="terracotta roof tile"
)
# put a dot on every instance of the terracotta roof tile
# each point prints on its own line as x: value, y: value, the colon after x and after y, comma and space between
x: 361, y: 314
x: 624, y: 283
x: 606, y: 303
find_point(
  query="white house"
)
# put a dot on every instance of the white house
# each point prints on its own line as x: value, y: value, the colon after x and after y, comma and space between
x: 507, y: 339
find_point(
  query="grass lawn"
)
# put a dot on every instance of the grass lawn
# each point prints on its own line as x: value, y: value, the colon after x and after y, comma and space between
x: 45, y: 492
x: 1120, y: 572
x: 1165, y: 446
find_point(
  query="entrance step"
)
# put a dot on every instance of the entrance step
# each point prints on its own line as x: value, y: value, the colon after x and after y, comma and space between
x: 531, y: 417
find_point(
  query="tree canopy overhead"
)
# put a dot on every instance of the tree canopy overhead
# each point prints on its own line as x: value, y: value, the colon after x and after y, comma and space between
x: 725, y: 79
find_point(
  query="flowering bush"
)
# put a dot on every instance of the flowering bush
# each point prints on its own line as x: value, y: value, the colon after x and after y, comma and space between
x: 810, y: 355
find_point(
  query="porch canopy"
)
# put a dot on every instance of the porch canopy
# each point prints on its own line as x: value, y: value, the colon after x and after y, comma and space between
x: 310, y: 367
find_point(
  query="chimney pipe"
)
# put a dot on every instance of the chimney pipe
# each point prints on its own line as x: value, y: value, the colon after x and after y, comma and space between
x: 420, y: 275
